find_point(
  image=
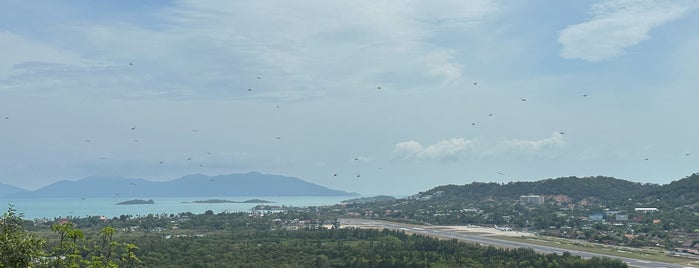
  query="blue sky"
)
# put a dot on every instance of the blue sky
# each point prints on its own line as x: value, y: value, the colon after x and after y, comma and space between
x: 608, y: 84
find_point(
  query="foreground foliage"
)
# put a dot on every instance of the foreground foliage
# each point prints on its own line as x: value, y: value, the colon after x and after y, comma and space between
x: 341, y: 248
x: 20, y: 248
x: 238, y: 240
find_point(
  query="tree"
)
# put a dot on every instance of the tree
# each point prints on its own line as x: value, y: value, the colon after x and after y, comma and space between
x: 18, y: 247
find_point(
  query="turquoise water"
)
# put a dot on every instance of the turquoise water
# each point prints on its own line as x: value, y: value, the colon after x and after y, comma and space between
x: 76, y: 207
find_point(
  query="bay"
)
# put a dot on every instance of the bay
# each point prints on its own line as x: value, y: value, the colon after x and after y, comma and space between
x: 49, y: 208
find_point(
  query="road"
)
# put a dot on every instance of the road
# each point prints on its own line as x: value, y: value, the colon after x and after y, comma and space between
x: 485, y: 240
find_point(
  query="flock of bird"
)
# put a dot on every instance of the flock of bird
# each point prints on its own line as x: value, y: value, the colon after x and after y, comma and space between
x: 356, y: 158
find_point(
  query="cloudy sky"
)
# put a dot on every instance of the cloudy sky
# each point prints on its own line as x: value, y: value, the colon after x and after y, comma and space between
x: 406, y: 94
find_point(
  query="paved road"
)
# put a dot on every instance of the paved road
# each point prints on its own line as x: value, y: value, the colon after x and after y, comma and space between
x: 485, y: 240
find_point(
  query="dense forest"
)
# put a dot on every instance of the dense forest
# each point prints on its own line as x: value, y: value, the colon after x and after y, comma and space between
x: 238, y: 240
x: 340, y: 248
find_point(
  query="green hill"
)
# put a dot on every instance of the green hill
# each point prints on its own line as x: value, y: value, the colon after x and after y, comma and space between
x: 592, y: 189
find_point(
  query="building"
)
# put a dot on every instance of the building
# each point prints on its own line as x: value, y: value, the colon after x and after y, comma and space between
x: 596, y: 217
x: 621, y: 217
x: 646, y: 209
x: 531, y: 199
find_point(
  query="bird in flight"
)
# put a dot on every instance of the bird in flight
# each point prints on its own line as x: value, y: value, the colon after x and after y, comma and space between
x: 645, y: 159
x: 523, y: 99
x: 258, y: 78
x: 490, y: 114
x: 133, y: 128
x: 357, y: 175
x: 378, y: 87
x: 279, y: 138
x: 687, y: 154
x: 130, y: 63
x: 88, y: 140
x: 473, y: 124
x: 249, y: 89
x: 189, y: 158
x: 562, y: 132
x: 195, y: 130
x: 356, y: 158
x: 585, y: 95
x: 161, y: 162
x: 335, y: 175
x: 475, y: 83
x: 500, y: 173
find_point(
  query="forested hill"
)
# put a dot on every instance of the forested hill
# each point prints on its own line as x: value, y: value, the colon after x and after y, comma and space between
x: 590, y: 188
x: 684, y: 192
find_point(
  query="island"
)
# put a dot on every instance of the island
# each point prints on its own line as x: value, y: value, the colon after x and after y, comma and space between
x: 137, y: 202
x: 223, y: 201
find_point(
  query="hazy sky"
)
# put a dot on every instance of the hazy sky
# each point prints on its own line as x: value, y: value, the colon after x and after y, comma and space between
x: 575, y: 88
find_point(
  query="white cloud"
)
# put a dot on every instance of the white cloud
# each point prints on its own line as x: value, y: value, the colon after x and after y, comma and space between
x: 517, y: 147
x: 452, y: 149
x: 616, y: 25
x: 303, y: 49
x: 441, y: 64
x: 443, y: 150
x: 25, y: 51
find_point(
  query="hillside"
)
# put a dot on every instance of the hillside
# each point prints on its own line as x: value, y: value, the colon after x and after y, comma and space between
x: 249, y: 184
x: 574, y: 189
x: 683, y: 192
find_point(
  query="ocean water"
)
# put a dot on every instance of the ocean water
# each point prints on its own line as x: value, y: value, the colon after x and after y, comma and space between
x: 50, y: 208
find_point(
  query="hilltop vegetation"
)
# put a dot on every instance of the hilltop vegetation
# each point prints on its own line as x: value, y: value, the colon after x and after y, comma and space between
x: 597, y: 190
x: 684, y: 192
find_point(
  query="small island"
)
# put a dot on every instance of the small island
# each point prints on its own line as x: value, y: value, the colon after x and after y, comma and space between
x: 137, y: 202
x: 223, y: 201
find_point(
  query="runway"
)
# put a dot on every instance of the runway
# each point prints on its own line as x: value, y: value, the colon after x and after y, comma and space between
x: 485, y: 240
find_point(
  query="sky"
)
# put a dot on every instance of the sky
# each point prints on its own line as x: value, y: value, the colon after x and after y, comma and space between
x: 374, y: 97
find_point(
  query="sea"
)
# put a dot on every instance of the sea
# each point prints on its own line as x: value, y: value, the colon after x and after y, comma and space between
x: 51, y: 208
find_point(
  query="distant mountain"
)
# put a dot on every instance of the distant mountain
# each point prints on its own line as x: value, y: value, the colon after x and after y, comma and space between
x: 198, y: 185
x: 6, y: 189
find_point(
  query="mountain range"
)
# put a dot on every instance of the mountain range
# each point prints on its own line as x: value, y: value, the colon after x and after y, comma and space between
x: 249, y: 184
